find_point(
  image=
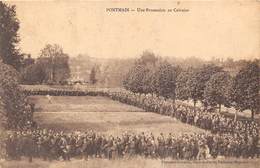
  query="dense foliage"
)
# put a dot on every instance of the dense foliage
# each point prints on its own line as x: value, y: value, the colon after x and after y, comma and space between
x: 9, y: 26
x: 246, y: 88
x: 34, y: 74
x: 182, y: 87
x: 197, y: 82
x: 14, y: 112
x: 136, y: 79
x: 217, y: 91
x: 52, y: 67
x: 165, y: 80
x: 208, y: 84
x: 152, y: 75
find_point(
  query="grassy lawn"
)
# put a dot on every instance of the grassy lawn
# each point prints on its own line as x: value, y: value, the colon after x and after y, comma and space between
x: 103, y: 115
x: 80, y: 104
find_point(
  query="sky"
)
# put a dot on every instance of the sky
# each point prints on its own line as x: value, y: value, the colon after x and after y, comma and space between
x: 210, y: 29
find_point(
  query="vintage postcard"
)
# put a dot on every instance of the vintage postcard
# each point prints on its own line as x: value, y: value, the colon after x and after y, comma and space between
x: 134, y: 84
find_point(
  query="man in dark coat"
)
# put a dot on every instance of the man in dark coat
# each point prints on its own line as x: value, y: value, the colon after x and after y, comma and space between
x: 11, y: 147
x: 29, y: 146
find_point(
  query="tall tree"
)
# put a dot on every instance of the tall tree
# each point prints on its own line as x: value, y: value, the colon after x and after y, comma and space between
x: 182, y: 87
x: 34, y: 74
x: 134, y: 78
x: 246, y: 88
x: 147, y: 57
x: 217, y: 91
x: 166, y: 76
x: 9, y: 26
x: 148, y: 81
x: 141, y: 76
x: 197, y: 82
x: 56, y: 62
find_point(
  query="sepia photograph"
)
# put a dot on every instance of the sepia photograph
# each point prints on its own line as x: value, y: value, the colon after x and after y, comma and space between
x: 129, y: 84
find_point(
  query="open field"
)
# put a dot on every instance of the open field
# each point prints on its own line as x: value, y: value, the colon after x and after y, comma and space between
x: 228, y: 112
x: 102, y: 115
x: 80, y: 104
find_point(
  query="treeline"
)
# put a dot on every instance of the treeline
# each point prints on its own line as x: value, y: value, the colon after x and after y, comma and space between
x: 51, y: 67
x: 209, y: 84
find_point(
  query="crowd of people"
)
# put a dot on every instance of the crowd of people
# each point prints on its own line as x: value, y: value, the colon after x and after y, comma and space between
x: 228, y: 137
x: 212, y: 121
x: 199, y: 117
x: 52, y: 145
